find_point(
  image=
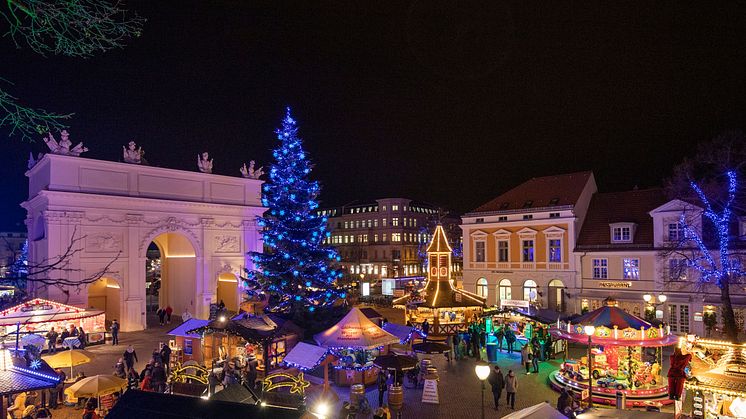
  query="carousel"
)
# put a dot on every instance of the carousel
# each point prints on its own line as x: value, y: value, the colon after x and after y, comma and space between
x: 447, y: 309
x: 624, y: 355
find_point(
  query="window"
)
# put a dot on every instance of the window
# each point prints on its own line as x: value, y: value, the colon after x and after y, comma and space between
x: 528, y: 251
x: 384, y: 237
x: 357, y: 224
x: 479, y: 251
x: 396, y: 254
x: 502, y: 251
x: 347, y: 224
x: 529, y: 290
x: 480, y: 220
x: 554, y: 215
x: 678, y: 318
x: 384, y: 222
x: 502, y: 218
x: 370, y: 223
x: 482, y: 287
x: 395, y: 207
x: 276, y: 352
x: 555, y: 250
x: 675, y: 232
x: 600, y: 268
x: 528, y: 217
x: 505, y: 290
x: 677, y: 269
x: 375, y: 223
x: 631, y: 268
x: 395, y: 237
x: 383, y: 208
x: 375, y: 238
x: 622, y: 234
x: 415, y: 222
x: 395, y: 221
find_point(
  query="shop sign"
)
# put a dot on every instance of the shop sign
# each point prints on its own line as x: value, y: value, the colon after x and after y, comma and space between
x: 698, y: 316
x: 430, y: 392
x: 36, y: 307
x: 514, y: 303
x: 615, y: 284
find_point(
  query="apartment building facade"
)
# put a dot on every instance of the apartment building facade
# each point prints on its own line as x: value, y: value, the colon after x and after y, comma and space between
x: 519, y: 246
x: 385, y: 238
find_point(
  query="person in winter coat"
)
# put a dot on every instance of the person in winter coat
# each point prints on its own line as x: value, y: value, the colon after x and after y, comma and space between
x: 115, y: 332
x: 82, y: 337
x: 52, y: 339
x: 145, y: 384
x: 535, y: 351
x: 158, y: 378
x: 511, y: 385
x: 133, y: 380
x: 526, y: 357
x: 169, y: 311
x: 497, y: 380
x: 676, y: 374
x: 166, y: 356
x: 425, y: 330
x: 381, y: 387
x: 509, y: 339
x: 119, y: 370
x: 161, y: 315
x: 130, y: 357
x: 500, y: 335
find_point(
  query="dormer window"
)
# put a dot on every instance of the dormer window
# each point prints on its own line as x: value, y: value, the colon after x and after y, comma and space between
x: 622, y: 232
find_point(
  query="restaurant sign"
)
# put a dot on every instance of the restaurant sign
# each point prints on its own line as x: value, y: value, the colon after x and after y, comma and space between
x: 514, y: 303
x: 36, y: 307
x: 615, y: 284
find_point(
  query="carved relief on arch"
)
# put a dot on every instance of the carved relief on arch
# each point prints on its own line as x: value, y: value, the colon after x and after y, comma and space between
x: 171, y: 226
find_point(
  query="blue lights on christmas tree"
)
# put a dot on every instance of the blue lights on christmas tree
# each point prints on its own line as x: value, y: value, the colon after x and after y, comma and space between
x: 298, y: 272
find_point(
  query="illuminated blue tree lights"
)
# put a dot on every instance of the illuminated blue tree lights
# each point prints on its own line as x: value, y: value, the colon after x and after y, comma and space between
x: 297, y: 274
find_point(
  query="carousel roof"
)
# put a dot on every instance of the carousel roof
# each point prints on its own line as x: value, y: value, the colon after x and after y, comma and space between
x: 610, y: 316
x: 442, y: 294
x: 39, y: 310
x: 355, y: 331
x: 439, y: 243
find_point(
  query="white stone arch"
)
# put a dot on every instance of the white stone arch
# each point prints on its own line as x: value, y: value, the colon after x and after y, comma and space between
x: 171, y: 227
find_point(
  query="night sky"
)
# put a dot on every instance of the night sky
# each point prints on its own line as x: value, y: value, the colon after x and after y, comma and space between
x: 443, y: 101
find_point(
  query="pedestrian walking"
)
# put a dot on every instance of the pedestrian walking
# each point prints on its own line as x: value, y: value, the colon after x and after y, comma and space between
x: 158, y: 378
x: 161, y: 315
x: 119, y: 369
x: 511, y: 385
x: 130, y: 357
x: 475, y: 342
x: 166, y: 356
x: 497, y: 380
x: 52, y: 340
x: 133, y: 380
x: 425, y: 330
x: 526, y: 357
x: 381, y: 387
x: 115, y: 332
x: 509, y: 339
x: 169, y: 310
x: 500, y: 335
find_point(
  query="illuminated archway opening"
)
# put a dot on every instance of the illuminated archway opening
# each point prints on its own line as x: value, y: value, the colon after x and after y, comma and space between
x: 171, y: 274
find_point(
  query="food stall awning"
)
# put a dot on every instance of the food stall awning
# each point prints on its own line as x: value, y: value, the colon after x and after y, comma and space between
x: 541, y: 315
x: 17, y: 378
x: 355, y: 331
x: 183, y: 329
x: 39, y: 310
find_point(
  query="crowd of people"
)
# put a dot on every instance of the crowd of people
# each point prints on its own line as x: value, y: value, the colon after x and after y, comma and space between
x: 155, y: 374
x: 53, y: 338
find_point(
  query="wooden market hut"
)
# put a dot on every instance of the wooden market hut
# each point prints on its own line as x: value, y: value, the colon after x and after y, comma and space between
x: 268, y: 336
x: 38, y: 315
x: 446, y: 308
x: 18, y: 376
x: 187, y: 346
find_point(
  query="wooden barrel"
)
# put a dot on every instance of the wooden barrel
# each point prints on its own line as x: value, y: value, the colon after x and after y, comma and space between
x: 432, y: 373
x: 357, y: 392
x: 396, y: 397
x: 425, y: 363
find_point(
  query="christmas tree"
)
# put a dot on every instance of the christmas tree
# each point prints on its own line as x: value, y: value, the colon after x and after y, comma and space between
x: 297, y: 273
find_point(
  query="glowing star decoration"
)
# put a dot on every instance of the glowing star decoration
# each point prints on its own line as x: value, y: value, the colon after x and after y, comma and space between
x: 35, y: 364
x: 293, y: 274
x: 280, y: 379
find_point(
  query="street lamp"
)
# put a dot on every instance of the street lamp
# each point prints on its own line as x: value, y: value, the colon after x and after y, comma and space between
x: 652, y: 305
x: 483, y: 371
x: 590, y: 330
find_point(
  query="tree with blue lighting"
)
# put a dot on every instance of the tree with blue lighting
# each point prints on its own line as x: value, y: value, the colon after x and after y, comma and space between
x: 297, y: 274
x: 710, y: 243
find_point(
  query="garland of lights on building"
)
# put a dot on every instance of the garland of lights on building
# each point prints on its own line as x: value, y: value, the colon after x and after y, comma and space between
x: 297, y: 273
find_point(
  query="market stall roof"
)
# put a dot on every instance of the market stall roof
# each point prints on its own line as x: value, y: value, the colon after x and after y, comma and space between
x: 404, y: 333
x: 542, y: 315
x: 305, y: 355
x: 540, y: 411
x: 153, y: 405
x: 253, y: 328
x: 17, y: 378
x: 370, y: 313
x: 355, y: 331
x: 610, y: 316
x: 238, y: 393
x: 38, y: 310
x: 183, y: 329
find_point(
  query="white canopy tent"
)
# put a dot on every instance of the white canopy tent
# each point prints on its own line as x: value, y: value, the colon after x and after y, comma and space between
x: 540, y: 411
x: 355, y: 330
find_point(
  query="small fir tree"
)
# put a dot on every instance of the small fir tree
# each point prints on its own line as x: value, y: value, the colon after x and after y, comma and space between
x: 297, y: 273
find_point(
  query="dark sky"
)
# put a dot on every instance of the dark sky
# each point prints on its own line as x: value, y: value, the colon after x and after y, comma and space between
x: 444, y: 101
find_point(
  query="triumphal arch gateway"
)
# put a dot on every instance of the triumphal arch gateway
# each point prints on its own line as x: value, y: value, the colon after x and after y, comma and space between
x: 202, y: 224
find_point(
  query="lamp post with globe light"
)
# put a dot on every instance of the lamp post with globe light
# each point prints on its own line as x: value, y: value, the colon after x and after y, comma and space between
x: 483, y: 371
x: 651, y: 305
x: 590, y: 330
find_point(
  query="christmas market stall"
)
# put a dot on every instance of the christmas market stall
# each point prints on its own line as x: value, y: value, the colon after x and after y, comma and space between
x: 187, y: 346
x: 23, y: 377
x: 356, y: 341
x: 716, y: 387
x: 447, y: 309
x: 39, y: 316
x: 525, y: 323
x: 624, y: 354
x: 245, y: 338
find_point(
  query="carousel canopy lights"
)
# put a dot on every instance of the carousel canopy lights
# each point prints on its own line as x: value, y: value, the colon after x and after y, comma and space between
x: 589, y: 329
